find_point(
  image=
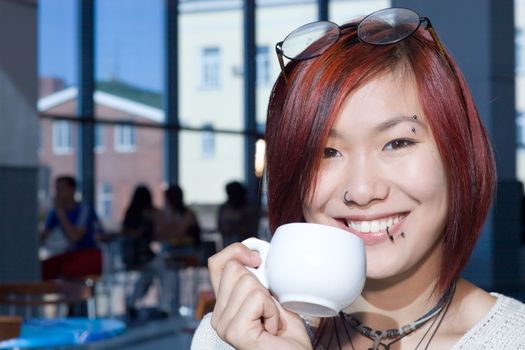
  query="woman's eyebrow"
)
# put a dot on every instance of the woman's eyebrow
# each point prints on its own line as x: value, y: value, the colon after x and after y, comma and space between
x: 335, y: 134
x: 390, y: 123
x: 385, y: 125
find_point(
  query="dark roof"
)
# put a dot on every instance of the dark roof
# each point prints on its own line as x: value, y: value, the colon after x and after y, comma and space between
x: 130, y: 92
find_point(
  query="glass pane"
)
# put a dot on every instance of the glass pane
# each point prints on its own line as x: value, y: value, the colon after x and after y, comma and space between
x: 129, y: 60
x: 344, y: 11
x: 208, y: 161
x: 210, y: 65
x: 126, y: 156
x: 519, y: 47
x: 57, y: 26
x: 274, y: 23
x: 57, y: 156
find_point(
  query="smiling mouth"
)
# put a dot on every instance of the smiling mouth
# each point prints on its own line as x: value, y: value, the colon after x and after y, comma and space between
x: 374, y: 226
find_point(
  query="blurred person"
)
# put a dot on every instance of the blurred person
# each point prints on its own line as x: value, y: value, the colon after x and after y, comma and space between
x: 181, y: 249
x: 76, y: 224
x: 181, y: 227
x: 140, y: 228
x: 236, y: 219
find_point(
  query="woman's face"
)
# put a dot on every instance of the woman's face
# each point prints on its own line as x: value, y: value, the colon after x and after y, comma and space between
x: 381, y: 150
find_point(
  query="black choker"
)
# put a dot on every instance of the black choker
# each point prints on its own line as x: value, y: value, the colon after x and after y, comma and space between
x: 397, y: 334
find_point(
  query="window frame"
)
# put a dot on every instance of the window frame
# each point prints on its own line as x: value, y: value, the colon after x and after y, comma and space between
x: 128, y: 142
x: 62, y: 137
x: 210, y: 68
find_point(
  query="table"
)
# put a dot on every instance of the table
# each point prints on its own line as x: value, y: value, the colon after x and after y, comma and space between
x: 45, y: 333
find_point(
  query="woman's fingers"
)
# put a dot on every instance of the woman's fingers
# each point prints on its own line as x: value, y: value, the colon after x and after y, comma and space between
x: 256, y: 317
x: 236, y: 251
x: 232, y: 272
x: 246, y: 287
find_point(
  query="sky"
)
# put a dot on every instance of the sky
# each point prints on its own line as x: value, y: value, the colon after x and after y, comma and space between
x: 128, y: 41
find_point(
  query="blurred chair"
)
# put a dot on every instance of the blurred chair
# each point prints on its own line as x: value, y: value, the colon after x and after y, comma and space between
x: 9, y: 326
x: 205, y: 303
x: 214, y: 236
x: 113, y: 271
x: 36, y: 295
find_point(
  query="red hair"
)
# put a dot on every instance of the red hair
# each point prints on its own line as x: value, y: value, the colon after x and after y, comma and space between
x: 303, y: 109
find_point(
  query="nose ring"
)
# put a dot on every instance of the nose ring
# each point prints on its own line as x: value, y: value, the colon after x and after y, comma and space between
x: 346, y: 200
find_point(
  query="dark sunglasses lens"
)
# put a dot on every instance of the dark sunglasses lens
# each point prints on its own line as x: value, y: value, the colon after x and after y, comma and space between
x: 310, y: 40
x: 388, y: 26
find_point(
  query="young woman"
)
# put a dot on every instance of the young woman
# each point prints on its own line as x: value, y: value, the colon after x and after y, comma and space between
x: 372, y: 128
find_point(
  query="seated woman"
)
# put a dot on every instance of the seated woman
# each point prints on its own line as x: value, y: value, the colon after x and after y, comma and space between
x: 180, y: 225
x: 140, y: 228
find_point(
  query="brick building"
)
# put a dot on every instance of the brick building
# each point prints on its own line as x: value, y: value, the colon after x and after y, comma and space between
x: 124, y: 155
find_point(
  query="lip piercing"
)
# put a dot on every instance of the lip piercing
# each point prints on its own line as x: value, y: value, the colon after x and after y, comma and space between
x: 389, y: 235
x: 345, y: 200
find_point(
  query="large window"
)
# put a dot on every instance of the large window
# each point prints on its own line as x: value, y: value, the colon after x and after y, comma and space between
x: 130, y: 78
x: 341, y: 11
x: 273, y: 23
x: 202, y: 178
x: 130, y: 94
x: 57, y: 70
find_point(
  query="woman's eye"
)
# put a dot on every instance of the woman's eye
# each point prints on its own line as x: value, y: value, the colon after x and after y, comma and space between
x: 330, y: 153
x: 398, y: 144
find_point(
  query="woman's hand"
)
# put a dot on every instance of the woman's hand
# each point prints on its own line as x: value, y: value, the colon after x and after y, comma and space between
x: 245, y: 314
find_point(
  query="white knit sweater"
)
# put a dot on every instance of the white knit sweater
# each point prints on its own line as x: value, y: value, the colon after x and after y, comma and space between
x: 502, y: 328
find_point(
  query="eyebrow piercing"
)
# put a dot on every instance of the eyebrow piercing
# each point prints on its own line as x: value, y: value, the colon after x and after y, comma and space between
x: 414, y: 116
x: 389, y: 235
x: 403, y: 234
x: 414, y: 130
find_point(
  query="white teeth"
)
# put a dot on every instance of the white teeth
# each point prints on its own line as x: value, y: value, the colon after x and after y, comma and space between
x: 374, y: 226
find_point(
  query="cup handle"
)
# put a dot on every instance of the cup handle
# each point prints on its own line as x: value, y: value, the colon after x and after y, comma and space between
x: 262, y: 248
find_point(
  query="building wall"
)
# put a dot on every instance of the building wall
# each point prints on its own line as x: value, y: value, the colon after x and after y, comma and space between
x: 203, y: 179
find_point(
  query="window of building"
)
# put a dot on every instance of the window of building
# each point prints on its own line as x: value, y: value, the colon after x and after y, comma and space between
x: 262, y: 60
x: 105, y: 201
x: 62, y: 139
x: 125, y: 138
x: 208, y: 142
x: 99, y: 138
x: 210, y: 67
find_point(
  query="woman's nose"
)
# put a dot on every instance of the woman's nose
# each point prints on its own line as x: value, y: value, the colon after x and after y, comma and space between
x: 366, y: 182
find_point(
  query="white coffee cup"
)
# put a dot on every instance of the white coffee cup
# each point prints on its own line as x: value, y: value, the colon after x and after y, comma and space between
x: 311, y: 269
